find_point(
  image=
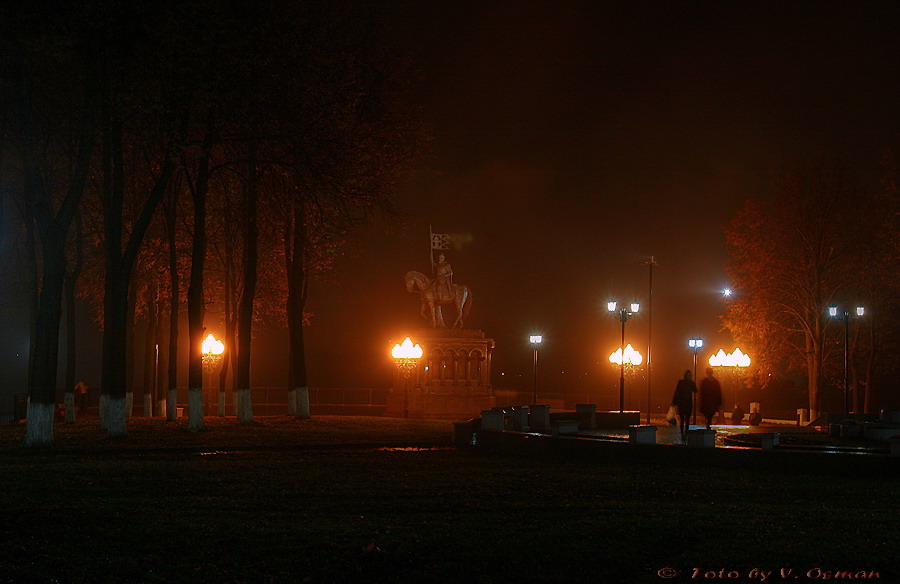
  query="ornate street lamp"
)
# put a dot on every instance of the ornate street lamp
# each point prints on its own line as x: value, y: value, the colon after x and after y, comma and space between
x: 631, y: 359
x: 695, y: 345
x: 735, y: 363
x: 833, y: 312
x: 212, y: 356
x: 535, y: 341
x: 623, y: 315
x: 406, y: 355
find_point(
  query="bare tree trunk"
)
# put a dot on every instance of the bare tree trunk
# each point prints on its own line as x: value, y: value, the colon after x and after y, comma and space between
x: 71, y: 356
x: 33, y: 283
x: 158, y: 395
x: 223, y: 381
x: 131, y: 350
x: 814, y: 377
x: 150, y: 352
x: 42, y: 394
x: 119, y: 266
x: 229, y: 362
x: 297, y: 292
x: 250, y: 261
x: 115, y: 319
x: 162, y: 364
x: 53, y: 229
x: 199, y: 191
x: 174, y: 305
x: 195, y: 315
x: 69, y: 383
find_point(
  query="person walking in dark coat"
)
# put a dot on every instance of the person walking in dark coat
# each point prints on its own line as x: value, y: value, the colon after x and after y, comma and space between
x: 683, y: 400
x: 710, y: 397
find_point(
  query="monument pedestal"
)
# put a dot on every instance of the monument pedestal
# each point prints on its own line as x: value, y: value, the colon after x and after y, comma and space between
x: 452, y: 380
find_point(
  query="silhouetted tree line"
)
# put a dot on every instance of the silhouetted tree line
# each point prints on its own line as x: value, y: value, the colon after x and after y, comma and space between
x: 826, y: 238
x: 159, y: 152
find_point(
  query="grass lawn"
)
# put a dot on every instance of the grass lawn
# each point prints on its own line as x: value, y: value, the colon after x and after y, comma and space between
x: 341, y: 499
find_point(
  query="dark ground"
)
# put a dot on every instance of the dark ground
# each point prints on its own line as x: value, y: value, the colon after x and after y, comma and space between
x: 323, y: 500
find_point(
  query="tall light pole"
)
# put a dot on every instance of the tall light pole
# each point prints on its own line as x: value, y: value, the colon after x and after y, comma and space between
x: 651, y: 263
x: 535, y: 341
x: 832, y: 312
x: 695, y: 344
x: 623, y: 315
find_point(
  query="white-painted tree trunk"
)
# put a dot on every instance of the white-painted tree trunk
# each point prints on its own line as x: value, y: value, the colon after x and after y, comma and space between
x: 245, y: 407
x: 161, y: 407
x: 69, y: 401
x: 302, y: 407
x: 129, y: 403
x: 148, y: 405
x: 39, y: 425
x: 292, y: 401
x: 172, y: 406
x: 116, y: 425
x: 104, y: 410
x: 195, y: 409
x: 221, y: 410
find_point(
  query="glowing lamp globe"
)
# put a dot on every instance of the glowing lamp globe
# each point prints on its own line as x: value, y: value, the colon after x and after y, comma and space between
x: 213, y: 346
x: 632, y: 356
x: 406, y: 350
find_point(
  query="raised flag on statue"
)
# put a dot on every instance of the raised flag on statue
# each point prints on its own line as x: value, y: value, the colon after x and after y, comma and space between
x: 440, y: 241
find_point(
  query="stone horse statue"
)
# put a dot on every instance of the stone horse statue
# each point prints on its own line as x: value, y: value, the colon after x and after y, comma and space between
x: 460, y: 296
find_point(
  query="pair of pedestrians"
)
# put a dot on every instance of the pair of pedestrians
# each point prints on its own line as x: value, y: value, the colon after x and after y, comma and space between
x: 710, y: 399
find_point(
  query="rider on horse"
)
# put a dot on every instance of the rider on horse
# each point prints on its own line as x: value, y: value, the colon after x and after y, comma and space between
x: 443, y: 279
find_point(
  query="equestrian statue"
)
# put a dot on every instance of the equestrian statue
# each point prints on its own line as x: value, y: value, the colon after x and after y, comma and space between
x: 439, y: 291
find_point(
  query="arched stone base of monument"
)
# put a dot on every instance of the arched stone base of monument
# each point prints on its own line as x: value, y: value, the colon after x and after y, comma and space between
x: 452, y: 380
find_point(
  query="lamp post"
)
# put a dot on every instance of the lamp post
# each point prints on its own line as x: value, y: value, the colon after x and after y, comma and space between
x: 833, y: 312
x: 695, y: 344
x: 406, y: 356
x: 735, y: 363
x: 212, y: 355
x: 623, y: 314
x: 535, y: 341
x: 651, y: 263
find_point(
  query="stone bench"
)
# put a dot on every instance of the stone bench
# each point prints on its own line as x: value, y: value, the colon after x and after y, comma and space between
x: 770, y: 440
x: 701, y: 438
x: 519, y: 418
x: 493, y: 419
x: 565, y: 427
x: 586, y: 415
x: 642, y: 434
x: 538, y: 417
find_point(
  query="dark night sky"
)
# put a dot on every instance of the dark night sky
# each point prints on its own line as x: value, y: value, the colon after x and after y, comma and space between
x: 573, y: 140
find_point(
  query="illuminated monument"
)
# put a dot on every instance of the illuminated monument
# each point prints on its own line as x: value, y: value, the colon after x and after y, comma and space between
x: 452, y: 380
